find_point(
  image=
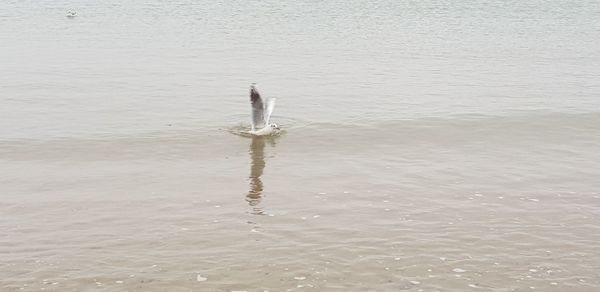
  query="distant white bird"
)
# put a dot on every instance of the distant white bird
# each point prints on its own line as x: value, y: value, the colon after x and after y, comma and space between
x: 261, y: 113
x: 71, y: 14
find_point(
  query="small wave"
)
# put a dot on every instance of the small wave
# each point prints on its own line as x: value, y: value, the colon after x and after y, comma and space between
x: 240, y: 130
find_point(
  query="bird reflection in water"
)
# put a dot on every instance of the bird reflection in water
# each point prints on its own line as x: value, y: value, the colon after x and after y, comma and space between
x: 257, y: 155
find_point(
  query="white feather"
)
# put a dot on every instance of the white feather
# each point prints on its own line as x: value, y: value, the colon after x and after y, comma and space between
x: 269, y: 111
x: 263, y: 132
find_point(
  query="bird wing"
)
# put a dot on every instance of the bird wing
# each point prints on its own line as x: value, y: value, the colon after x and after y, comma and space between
x: 270, y: 107
x: 258, y: 109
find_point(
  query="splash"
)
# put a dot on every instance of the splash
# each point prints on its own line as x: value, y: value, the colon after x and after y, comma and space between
x: 242, y: 130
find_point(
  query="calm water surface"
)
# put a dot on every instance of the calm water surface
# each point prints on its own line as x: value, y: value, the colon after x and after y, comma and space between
x: 427, y: 146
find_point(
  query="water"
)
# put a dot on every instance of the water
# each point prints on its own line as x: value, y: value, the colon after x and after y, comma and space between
x: 430, y: 145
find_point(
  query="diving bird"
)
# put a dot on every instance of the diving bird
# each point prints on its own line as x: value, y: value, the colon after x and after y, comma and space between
x: 262, y: 108
x: 71, y: 14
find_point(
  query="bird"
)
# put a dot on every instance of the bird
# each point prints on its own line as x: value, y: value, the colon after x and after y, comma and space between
x: 71, y: 14
x: 262, y: 108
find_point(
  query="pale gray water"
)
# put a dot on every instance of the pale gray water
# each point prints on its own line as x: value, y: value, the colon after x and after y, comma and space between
x: 428, y: 145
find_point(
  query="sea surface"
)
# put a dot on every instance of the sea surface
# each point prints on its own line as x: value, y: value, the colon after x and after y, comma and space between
x: 425, y: 146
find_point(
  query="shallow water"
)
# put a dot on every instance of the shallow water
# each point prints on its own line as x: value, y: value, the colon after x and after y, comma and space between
x: 434, y: 146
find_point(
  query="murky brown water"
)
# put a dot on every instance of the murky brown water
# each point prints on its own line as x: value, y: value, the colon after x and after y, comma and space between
x: 412, y: 205
x: 430, y: 146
